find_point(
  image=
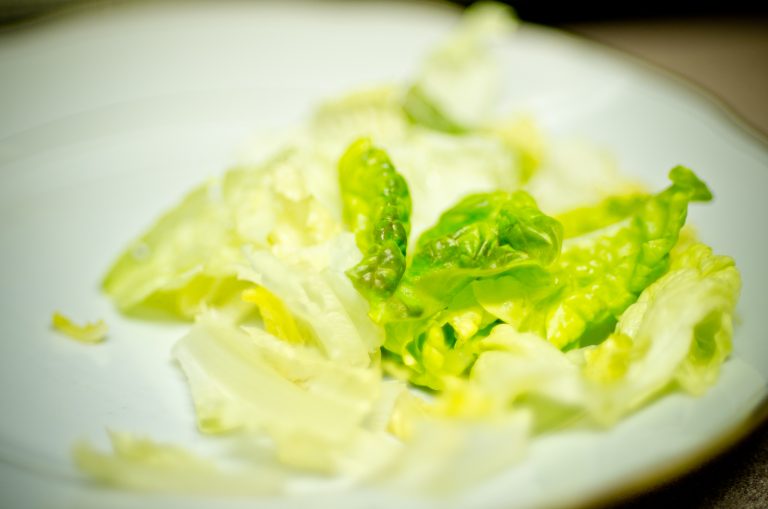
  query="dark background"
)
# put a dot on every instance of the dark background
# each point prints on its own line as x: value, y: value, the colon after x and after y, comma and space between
x: 538, y: 11
x: 554, y: 12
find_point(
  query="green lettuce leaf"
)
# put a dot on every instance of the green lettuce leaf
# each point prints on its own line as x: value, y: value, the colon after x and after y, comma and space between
x: 432, y: 313
x: 377, y: 208
x: 601, y: 271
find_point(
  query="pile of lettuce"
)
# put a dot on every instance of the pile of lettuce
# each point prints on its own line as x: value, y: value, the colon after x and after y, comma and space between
x: 404, y: 286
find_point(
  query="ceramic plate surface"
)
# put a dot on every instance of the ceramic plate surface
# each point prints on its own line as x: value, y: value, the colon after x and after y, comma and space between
x: 109, y: 116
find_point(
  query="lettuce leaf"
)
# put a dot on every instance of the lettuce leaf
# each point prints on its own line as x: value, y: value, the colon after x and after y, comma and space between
x: 323, y: 303
x: 573, y: 173
x: 188, y: 260
x: 142, y: 464
x: 146, y: 465
x: 377, y: 207
x: 482, y: 236
x: 248, y: 380
x: 678, y: 332
x: 459, y: 81
x: 600, y: 271
x: 515, y: 364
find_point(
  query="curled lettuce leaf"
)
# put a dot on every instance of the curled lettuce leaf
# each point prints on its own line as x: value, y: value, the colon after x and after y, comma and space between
x: 583, y: 220
x: 431, y: 314
x: 377, y: 207
x: 483, y: 235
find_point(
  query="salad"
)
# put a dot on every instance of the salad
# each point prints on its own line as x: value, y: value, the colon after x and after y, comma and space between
x: 408, y: 283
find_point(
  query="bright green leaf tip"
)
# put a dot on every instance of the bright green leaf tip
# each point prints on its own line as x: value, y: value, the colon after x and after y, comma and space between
x: 685, y: 178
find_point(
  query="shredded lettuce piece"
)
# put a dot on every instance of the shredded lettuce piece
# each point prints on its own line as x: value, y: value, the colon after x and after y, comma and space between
x: 515, y: 364
x: 276, y: 318
x: 459, y: 81
x: 142, y: 464
x: 248, y: 379
x: 188, y: 260
x: 374, y: 113
x: 95, y: 332
x: 322, y: 301
x: 445, y: 455
x: 321, y: 415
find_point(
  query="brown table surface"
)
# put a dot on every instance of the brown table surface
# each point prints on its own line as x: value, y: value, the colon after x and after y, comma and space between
x: 729, y: 58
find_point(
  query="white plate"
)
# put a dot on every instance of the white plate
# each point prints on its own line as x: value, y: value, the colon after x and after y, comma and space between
x: 110, y: 116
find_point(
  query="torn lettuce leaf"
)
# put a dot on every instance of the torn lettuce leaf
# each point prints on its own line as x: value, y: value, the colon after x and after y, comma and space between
x: 275, y: 317
x: 522, y: 136
x: 323, y: 302
x: 188, y: 260
x: 513, y: 364
x: 600, y: 272
x: 481, y: 236
x: 246, y: 379
x: 678, y: 332
x: 320, y: 415
x: 375, y: 113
